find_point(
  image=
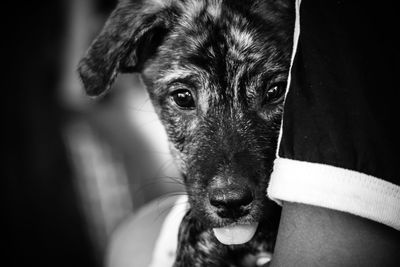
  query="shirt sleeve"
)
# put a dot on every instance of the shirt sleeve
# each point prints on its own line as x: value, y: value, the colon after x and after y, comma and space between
x: 339, y: 141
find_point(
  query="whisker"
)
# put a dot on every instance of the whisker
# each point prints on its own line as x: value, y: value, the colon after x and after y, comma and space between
x: 166, y: 209
x: 140, y: 110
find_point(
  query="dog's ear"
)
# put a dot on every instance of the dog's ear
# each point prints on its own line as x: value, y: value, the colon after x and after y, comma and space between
x: 129, y: 37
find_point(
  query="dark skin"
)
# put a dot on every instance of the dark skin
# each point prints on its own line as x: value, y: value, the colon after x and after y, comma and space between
x: 315, y: 236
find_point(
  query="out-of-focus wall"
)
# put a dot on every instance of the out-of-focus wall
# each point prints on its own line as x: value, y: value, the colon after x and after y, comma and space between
x: 76, y: 167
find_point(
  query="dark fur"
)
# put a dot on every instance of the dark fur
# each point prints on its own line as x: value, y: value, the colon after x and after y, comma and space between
x: 228, y: 54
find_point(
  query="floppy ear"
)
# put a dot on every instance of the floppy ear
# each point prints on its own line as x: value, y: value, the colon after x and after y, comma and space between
x: 129, y: 37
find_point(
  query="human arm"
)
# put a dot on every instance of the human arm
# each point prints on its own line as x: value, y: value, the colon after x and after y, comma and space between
x: 315, y: 236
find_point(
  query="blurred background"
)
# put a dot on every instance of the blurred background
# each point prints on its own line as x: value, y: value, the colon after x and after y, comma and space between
x: 75, y: 168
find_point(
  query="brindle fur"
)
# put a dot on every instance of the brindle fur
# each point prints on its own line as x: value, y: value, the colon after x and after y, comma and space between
x: 227, y: 53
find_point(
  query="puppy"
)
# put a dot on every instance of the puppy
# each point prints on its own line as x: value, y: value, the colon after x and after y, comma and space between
x: 216, y: 73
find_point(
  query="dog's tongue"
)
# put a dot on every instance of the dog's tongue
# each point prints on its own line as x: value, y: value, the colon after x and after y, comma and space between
x: 235, y: 235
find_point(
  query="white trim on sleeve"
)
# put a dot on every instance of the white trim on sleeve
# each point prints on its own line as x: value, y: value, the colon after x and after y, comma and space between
x: 335, y: 188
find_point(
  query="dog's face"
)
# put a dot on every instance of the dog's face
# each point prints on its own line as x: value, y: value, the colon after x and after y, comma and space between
x: 216, y: 73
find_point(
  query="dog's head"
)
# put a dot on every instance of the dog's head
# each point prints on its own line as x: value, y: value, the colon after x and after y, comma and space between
x: 216, y: 73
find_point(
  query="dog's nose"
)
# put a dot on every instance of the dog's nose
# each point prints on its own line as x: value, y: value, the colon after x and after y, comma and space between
x: 230, y: 201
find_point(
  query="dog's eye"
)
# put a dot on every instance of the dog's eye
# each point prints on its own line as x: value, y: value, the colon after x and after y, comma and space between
x: 275, y: 93
x: 183, y: 98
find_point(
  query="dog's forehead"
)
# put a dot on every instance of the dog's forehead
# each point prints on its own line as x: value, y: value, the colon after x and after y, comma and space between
x: 212, y: 25
x: 210, y: 34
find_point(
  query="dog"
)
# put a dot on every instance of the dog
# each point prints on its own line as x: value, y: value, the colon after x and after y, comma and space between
x: 216, y: 72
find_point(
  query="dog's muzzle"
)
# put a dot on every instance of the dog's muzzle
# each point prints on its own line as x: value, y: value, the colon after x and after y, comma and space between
x: 232, y: 201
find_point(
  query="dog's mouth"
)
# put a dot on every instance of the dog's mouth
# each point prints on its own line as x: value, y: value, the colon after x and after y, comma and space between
x: 235, y: 234
x: 233, y: 214
x: 237, y: 230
